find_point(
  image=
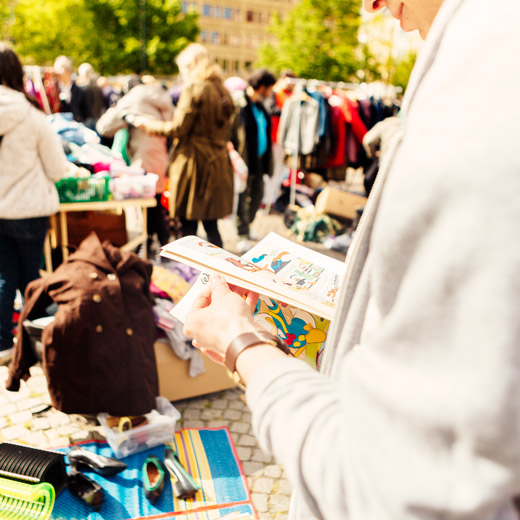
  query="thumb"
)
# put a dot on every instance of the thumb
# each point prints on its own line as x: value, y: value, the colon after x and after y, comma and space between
x: 218, y: 286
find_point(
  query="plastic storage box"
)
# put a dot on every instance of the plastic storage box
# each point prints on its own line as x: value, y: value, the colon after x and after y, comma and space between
x: 158, y: 430
x: 134, y: 186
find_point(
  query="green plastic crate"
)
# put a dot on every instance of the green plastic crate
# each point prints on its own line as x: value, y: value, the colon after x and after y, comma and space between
x: 83, y: 189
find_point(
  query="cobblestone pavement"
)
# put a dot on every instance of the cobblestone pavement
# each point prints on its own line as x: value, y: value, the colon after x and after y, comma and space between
x: 22, y: 421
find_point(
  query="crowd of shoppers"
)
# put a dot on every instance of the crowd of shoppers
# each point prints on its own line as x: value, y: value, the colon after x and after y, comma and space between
x: 414, y: 413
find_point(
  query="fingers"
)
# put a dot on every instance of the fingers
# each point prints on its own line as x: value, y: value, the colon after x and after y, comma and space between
x: 202, y: 300
x: 252, y: 300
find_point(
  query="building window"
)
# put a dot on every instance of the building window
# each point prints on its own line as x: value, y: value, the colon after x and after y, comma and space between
x: 238, y: 15
x: 228, y: 13
x: 215, y: 38
x: 203, y: 36
x: 249, y: 16
x: 184, y: 7
x: 217, y: 12
x: 206, y: 10
x: 224, y: 65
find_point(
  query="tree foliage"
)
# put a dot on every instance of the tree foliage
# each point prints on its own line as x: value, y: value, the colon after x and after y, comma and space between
x: 115, y: 36
x: 317, y: 39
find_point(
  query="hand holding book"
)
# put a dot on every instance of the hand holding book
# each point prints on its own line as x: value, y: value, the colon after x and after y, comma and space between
x: 218, y: 315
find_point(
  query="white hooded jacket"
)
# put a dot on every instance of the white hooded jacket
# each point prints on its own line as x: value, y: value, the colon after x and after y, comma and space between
x: 31, y: 159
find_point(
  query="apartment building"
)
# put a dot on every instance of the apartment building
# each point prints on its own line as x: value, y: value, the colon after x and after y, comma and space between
x: 232, y: 30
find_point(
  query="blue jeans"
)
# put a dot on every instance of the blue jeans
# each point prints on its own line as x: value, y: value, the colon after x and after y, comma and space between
x: 21, y: 251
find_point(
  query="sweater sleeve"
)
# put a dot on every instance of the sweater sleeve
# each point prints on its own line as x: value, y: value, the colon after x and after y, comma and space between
x: 420, y: 418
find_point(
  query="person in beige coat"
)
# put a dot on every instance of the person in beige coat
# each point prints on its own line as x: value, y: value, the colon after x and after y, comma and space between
x: 200, y: 172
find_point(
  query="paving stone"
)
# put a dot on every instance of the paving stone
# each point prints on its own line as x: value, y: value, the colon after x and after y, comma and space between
x: 191, y: 414
x: 237, y: 404
x: 22, y: 418
x: 4, y: 398
x: 233, y: 415
x: 41, y: 423
x: 263, y: 485
x: 8, y: 409
x: 36, y: 439
x: 279, y: 502
x: 273, y: 471
x: 246, y: 416
x: 79, y: 436
x: 244, y: 453
x: 30, y: 402
x: 240, y: 427
x: 247, y: 440
x: 260, y: 456
x: 252, y: 468
x: 208, y: 414
x: 58, y: 418
x: 56, y: 441
x: 196, y: 403
x: 192, y: 423
x: 261, y: 502
x: 219, y: 423
x: 3, y: 422
x: 234, y: 436
x: 13, y: 432
x: 67, y: 430
x: 220, y: 404
x: 22, y: 393
x: 284, y: 487
x: 38, y: 384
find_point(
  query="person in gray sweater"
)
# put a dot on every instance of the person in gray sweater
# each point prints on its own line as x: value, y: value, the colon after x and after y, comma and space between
x: 415, y: 413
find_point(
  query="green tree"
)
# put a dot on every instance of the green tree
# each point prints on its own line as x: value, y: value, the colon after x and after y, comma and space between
x: 5, y: 19
x: 400, y: 70
x: 113, y: 35
x: 318, y: 39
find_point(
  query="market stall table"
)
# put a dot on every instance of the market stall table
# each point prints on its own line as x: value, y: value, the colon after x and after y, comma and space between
x: 109, y: 205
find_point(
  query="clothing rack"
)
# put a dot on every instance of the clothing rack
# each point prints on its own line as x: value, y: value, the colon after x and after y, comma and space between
x: 34, y: 73
x: 368, y: 89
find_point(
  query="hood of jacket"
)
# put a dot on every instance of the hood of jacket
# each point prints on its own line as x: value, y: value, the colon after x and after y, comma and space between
x: 13, y: 109
x: 154, y: 95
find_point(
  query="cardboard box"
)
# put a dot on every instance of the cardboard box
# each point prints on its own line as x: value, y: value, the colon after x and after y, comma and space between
x: 339, y: 203
x: 109, y: 225
x: 175, y: 382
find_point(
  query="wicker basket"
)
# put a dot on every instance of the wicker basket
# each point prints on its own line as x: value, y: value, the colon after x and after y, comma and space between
x: 83, y: 189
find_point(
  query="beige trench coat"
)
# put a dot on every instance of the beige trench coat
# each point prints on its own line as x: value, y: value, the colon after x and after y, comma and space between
x: 200, y: 172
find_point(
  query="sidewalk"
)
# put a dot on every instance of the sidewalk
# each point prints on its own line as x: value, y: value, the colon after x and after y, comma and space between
x: 22, y: 421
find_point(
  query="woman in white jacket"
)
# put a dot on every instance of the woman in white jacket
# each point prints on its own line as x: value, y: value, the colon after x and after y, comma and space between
x: 31, y: 161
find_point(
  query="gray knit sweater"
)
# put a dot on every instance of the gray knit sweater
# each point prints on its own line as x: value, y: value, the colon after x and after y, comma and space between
x: 416, y: 414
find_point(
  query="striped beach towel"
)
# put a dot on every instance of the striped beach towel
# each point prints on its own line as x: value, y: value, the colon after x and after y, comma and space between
x: 210, y: 457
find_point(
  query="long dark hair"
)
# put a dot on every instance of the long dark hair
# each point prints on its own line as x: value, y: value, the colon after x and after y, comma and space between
x: 11, y: 72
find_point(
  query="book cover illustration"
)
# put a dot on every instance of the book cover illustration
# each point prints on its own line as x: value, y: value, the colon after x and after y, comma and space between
x: 297, y: 286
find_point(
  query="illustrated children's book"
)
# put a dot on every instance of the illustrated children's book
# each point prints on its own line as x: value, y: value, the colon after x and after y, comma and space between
x: 297, y: 286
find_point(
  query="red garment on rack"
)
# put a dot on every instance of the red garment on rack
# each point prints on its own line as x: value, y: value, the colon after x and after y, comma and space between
x: 350, y: 110
x: 338, y: 155
x: 280, y: 97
